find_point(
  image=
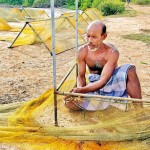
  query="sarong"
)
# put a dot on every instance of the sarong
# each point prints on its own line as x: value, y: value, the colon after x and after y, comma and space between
x: 116, y: 86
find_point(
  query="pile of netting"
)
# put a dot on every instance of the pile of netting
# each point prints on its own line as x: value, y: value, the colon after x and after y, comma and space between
x: 30, y: 125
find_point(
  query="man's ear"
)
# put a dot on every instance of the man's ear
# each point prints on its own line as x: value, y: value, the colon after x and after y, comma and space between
x: 104, y: 36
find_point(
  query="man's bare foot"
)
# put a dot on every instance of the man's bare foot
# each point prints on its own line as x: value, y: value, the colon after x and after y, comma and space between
x: 72, y: 103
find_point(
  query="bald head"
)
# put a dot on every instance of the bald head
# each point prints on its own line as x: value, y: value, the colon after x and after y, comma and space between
x: 97, y: 25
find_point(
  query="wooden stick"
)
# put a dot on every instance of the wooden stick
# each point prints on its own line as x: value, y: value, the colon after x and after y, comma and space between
x: 62, y: 81
x: 11, y: 46
x: 102, y: 97
x: 40, y: 38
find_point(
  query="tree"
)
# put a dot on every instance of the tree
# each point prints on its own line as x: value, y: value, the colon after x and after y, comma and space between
x: 86, y: 4
x: 15, y: 2
x: 96, y: 3
x: 41, y: 3
x: 59, y: 3
x: 28, y: 2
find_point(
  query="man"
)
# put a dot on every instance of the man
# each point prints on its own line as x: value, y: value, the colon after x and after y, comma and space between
x: 128, y: 1
x: 105, y: 78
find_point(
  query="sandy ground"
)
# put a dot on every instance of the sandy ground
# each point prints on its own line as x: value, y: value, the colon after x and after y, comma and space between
x: 26, y: 71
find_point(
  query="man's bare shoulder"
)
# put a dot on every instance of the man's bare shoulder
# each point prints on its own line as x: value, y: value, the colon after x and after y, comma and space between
x: 112, y: 49
x: 83, y: 48
x: 82, y: 51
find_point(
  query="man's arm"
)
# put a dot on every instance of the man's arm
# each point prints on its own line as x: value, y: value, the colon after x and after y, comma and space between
x: 105, y: 76
x: 81, y: 80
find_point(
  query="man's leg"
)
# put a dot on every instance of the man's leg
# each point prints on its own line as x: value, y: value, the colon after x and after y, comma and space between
x: 133, y: 85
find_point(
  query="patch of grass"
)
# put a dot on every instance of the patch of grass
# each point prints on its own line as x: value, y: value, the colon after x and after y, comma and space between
x: 144, y: 63
x: 140, y: 37
x: 145, y: 30
x: 69, y: 7
x: 142, y: 2
x: 125, y: 13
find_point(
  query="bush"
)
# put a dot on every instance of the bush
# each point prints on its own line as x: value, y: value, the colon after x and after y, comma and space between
x: 28, y: 3
x: 143, y: 2
x: 70, y: 3
x: 41, y: 3
x: 70, y: 7
x: 96, y: 3
x: 4, y: 1
x: 86, y: 4
x: 111, y: 7
x: 15, y: 2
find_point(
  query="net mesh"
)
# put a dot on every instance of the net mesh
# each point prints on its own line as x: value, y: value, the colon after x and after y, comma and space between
x: 11, y: 14
x: 40, y: 31
x: 30, y: 125
x: 4, y: 25
x: 36, y: 31
x: 91, y: 14
x: 81, y: 21
x: 30, y: 13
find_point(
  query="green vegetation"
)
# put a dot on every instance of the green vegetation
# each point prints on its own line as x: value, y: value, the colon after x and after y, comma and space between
x: 111, y: 7
x: 3, y: 2
x: 107, y: 7
x: 41, y: 3
x: 96, y: 3
x: 28, y: 2
x: 12, y: 2
x: 126, y: 13
x: 145, y: 63
x: 86, y: 4
x: 141, y: 2
x: 140, y: 37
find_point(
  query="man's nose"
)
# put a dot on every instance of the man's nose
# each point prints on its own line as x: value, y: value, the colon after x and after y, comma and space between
x: 90, y: 39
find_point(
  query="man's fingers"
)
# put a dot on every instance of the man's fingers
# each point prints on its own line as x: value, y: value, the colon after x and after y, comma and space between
x: 71, y: 90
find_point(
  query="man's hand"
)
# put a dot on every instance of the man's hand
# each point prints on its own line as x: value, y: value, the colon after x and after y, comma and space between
x: 77, y: 90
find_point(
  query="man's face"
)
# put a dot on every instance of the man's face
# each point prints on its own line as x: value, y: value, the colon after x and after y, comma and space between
x: 94, y: 38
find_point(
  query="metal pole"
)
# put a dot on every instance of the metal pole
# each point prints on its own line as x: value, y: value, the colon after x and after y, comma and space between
x: 54, y: 60
x: 63, y: 80
x: 11, y: 46
x: 39, y: 38
x: 76, y: 39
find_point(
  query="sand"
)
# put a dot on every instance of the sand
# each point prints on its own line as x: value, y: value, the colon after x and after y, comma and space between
x: 26, y: 71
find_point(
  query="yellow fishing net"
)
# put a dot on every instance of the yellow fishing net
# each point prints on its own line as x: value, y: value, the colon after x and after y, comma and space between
x: 40, y: 31
x: 81, y: 21
x: 30, y: 13
x: 11, y: 14
x: 4, y: 25
x: 31, y: 32
x: 91, y: 14
x: 30, y: 125
x: 15, y: 15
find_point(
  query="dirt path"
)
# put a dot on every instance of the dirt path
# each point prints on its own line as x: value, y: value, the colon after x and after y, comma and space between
x: 26, y: 71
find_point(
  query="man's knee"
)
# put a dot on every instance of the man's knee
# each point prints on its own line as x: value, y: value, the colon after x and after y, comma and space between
x: 132, y: 76
x: 133, y: 84
x: 132, y: 69
x: 132, y: 73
